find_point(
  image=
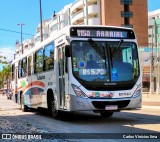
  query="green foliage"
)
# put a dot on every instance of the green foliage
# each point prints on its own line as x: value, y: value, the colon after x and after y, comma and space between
x: 5, y: 74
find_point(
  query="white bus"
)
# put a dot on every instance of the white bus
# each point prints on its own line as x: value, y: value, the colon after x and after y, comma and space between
x: 81, y: 68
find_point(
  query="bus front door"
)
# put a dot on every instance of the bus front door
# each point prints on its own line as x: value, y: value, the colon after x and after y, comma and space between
x: 61, y: 62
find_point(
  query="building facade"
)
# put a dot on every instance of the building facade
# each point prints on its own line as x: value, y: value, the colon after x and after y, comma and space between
x: 154, y: 46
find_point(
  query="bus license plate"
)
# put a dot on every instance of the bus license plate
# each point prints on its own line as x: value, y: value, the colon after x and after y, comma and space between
x: 111, y: 107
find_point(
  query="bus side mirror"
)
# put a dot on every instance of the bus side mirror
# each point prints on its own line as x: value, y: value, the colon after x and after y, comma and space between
x: 67, y: 51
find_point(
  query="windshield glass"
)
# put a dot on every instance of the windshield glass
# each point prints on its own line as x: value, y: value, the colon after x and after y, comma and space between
x: 114, y: 62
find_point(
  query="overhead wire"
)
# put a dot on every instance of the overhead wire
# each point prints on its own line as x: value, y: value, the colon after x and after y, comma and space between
x: 15, y: 32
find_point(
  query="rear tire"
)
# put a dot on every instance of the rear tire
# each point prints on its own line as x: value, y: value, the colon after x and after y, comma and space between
x: 24, y: 107
x: 106, y: 114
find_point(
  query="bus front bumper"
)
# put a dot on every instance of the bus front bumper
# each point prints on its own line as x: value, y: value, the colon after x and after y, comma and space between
x: 87, y: 104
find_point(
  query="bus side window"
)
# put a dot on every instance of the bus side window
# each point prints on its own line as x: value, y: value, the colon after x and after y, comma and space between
x: 19, y: 69
x: 24, y: 67
x: 48, y: 57
x: 29, y: 65
x: 39, y: 61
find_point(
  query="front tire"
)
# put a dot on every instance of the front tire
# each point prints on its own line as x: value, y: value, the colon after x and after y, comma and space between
x: 106, y: 114
x: 52, y: 108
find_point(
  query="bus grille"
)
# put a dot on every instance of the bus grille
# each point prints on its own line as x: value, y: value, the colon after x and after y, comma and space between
x: 103, y: 104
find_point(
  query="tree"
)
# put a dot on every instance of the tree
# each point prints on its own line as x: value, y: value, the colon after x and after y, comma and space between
x: 1, y: 79
x: 6, y: 72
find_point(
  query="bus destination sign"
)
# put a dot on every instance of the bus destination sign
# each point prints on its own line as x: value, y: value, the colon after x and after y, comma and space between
x: 102, y: 33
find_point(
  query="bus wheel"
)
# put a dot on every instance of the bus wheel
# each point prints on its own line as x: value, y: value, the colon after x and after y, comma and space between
x: 54, y: 113
x: 106, y: 114
x: 24, y: 107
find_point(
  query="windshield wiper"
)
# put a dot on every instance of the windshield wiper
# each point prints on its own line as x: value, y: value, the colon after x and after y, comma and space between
x: 96, y: 48
x: 118, y: 46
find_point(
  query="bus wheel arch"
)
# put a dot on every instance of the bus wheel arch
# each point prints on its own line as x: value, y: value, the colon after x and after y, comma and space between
x: 52, y: 104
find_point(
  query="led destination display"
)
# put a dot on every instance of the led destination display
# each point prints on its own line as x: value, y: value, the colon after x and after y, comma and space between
x: 102, y: 33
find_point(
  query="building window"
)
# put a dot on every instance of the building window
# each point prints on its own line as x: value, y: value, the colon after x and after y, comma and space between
x: 150, y: 35
x: 151, y: 26
x: 126, y: 14
x: 37, y: 38
x: 126, y: 2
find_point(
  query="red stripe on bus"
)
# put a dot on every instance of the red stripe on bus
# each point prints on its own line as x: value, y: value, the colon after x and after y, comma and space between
x: 38, y: 83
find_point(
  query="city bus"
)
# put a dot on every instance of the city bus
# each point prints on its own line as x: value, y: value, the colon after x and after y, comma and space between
x: 80, y: 68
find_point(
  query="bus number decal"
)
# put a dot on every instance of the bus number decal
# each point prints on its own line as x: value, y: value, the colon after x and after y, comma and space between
x: 83, y: 33
x: 50, y: 83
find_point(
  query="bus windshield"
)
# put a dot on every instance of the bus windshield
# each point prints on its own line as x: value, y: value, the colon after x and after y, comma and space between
x: 105, y: 61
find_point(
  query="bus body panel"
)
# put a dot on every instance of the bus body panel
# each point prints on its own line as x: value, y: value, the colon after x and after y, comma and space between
x: 35, y: 87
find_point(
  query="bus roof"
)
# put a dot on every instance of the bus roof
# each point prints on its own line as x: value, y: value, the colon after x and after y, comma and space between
x: 64, y: 31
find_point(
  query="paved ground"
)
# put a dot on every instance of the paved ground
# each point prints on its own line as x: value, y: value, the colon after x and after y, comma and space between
x: 150, y: 100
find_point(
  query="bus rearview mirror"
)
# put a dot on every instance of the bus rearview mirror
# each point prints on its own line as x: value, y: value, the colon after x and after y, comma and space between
x: 67, y: 51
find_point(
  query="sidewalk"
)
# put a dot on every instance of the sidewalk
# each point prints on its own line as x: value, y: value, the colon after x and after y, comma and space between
x: 150, y: 99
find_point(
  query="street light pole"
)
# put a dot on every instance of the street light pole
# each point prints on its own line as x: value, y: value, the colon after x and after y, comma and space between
x: 21, y: 25
x: 41, y: 20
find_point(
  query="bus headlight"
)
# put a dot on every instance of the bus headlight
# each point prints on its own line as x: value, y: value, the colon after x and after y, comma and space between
x: 137, y: 92
x: 78, y: 91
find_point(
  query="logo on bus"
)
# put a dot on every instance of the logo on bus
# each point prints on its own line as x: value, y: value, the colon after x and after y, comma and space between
x: 40, y: 77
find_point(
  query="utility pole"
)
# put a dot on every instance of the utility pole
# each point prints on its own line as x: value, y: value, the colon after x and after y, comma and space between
x: 41, y: 20
x: 21, y: 25
x: 152, y: 68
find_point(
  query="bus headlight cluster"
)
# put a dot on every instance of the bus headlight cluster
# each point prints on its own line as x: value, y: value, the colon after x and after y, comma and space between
x: 78, y: 91
x: 138, y: 91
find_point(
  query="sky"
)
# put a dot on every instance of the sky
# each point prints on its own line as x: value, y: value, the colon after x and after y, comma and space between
x: 13, y: 12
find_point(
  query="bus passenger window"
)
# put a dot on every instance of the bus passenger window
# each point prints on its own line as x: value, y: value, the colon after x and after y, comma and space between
x: 29, y: 65
x: 19, y: 69
x: 39, y: 61
x: 48, y: 57
x: 24, y: 67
